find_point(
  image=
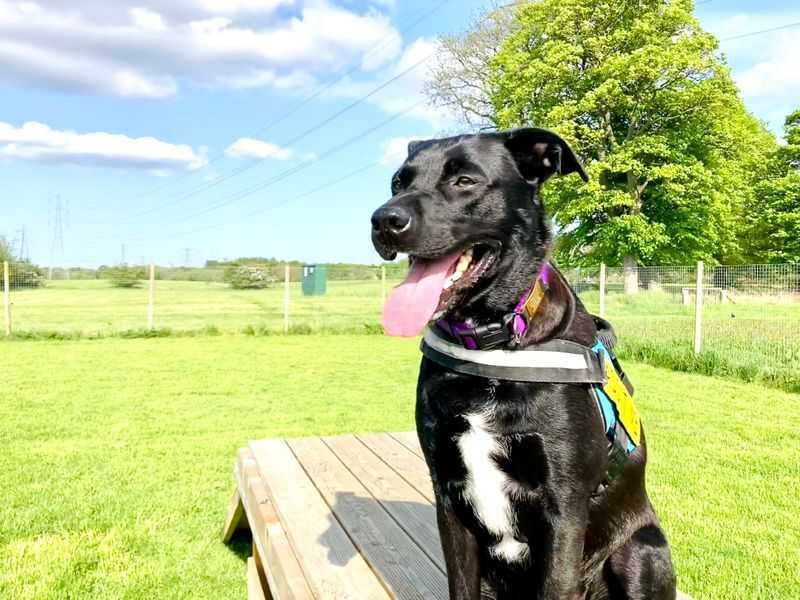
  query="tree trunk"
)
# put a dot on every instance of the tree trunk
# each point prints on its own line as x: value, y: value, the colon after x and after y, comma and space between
x: 631, y: 274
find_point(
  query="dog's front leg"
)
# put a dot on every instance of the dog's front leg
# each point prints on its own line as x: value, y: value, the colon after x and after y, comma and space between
x: 460, y: 554
x: 564, y: 580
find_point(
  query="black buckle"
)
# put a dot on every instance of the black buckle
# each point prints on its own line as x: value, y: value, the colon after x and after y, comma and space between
x: 492, y: 335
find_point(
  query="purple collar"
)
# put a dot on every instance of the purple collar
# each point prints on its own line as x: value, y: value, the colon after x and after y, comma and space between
x: 510, y: 329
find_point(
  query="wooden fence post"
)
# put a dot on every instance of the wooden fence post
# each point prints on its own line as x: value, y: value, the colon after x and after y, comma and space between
x: 602, y: 290
x: 286, y: 301
x: 698, y: 310
x: 152, y: 298
x: 7, y: 298
x: 383, y: 285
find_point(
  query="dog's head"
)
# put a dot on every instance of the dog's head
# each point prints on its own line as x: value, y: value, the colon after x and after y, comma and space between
x: 466, y: 210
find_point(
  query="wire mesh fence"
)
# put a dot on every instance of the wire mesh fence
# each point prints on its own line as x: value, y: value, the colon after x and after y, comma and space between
x: 750, y: 313
x: 749, y: 318
x: 249, y: 299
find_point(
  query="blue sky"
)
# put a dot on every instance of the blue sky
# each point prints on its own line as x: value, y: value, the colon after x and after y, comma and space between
x: 153, y: 122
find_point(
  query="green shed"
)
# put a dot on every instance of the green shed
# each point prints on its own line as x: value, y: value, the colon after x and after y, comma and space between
x: 315, y: 280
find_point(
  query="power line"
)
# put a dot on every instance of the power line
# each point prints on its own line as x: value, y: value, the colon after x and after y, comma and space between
x: 308, y: 131
x: 770, y: 30
x: 244, y: 193
x: 303, y: 135
x: 289, y: 172
x: 272, y: 207
x: 247, y: 192
x: 319, y: 125
x: 305, y: 101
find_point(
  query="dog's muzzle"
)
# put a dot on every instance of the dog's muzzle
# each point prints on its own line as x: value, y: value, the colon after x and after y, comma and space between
x: 391, y: 223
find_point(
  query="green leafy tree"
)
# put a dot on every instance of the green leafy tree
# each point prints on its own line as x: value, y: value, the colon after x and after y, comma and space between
x: 124, y: 276
x: 5, y: 251
x: 22, y: 273
x: 773, y: 213
x: 788, y: 156
x: 639, y: 90
x: 249, y: 277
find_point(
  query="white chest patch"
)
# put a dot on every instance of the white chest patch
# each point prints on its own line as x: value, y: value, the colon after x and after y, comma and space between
x: 487, y: 485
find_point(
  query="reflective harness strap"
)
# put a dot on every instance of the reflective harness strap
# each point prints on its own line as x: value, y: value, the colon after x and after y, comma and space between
x: 557, y: 361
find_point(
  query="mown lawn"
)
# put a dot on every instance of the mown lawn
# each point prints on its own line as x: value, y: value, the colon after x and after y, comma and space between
x: 95, y: 307
x: 751, y: 338
x: 115, y: 459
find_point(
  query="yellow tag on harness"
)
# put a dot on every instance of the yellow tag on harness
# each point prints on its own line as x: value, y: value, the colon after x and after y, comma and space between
x: 534, y: 299
x: 623, y: 400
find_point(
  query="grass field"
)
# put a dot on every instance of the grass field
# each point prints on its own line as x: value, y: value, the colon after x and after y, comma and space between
x: 115, y: 459
x: 751, y: 339
x: 755, y: 339
x: 95, y: 307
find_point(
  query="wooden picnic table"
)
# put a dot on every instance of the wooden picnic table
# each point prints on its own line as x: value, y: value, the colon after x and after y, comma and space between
x: 341, y: 518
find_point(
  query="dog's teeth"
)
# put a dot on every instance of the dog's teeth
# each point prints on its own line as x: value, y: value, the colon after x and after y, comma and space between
x: 464, y: 261
x: 447, y: 284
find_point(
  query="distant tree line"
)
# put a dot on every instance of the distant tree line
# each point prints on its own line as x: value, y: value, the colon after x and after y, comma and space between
x: 22, y: 273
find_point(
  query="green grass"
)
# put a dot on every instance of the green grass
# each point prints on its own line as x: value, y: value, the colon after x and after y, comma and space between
x: 95, y: 307
x: 751, y: 338
x: 754, y: 339
x: 116, y: 456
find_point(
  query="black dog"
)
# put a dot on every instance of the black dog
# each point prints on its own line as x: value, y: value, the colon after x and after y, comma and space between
x: 520, y: 469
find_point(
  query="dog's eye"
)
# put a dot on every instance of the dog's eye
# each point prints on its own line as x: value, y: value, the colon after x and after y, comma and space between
x: 396, y: 184
x: 464, y: 181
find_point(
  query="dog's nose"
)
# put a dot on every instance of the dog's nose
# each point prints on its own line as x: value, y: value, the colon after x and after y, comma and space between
x: 392, y: 220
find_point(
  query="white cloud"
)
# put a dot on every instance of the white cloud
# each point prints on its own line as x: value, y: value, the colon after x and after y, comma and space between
x: 145, y: 18
x: 764, y: 65
x: 29, y: 65
x: 408, y: 90
x: 148, y: 48
x: 230, y: 7
x: 395, y: 149
x: 38, y: 142
x: 252, y: 148
x: 777, y: 74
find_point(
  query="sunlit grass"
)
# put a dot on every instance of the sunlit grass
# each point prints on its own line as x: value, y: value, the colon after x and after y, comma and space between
x: 752, y: 338
x: 95, y: 307
x: 116, y: 456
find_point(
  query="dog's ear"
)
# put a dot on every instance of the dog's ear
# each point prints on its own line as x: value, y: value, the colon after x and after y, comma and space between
x: 540, y: 153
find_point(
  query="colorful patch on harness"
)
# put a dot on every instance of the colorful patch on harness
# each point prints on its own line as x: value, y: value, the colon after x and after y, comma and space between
x: 616, y: 391
x: 623, y: 401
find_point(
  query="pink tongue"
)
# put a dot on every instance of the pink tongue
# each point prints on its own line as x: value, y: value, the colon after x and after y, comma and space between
x: 412, y: 303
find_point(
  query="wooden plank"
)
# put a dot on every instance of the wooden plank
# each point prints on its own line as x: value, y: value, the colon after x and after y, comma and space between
x: 254, y: 589
x: 285, y: 578
x: 406, y: 571
x: 410, y: 509
x: 410, y: 440
x: 236, y: 518
x: 261, y: 572
x: 404, y: 462
x: 386, y: 469
x: 331, y: 564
